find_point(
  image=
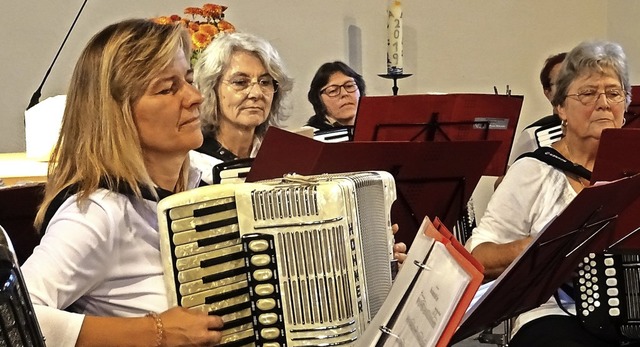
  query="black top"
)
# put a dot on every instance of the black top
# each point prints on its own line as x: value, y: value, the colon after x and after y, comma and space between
x: 211, y: 146
x: 321, y: 123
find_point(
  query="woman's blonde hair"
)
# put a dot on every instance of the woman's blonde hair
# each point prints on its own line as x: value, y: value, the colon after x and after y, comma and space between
x: 99, y: 145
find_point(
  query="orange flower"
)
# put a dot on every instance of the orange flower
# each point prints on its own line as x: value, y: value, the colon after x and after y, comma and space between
x: 200, y: 39
x: 213, y: 10
x: 162, y: 20
x: 194, y: 11
x: 209, y: 29
x: 194, y: 26
x: 203, y: 29
x: 225, y: 26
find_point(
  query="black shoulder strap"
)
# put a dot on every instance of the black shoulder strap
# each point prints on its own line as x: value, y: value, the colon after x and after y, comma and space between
x: 552, y: 157
x: 65, y: 193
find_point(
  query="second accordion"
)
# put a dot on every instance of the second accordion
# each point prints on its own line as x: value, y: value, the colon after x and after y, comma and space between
x: 298, y: 261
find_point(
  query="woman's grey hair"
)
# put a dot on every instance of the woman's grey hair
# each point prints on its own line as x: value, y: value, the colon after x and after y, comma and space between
x: 212, y: 63
x: 592, y: 57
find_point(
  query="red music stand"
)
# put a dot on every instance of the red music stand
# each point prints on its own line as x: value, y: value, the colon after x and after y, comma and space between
x: 442, y: 117
x: 584, y: 226
x: 617, y: 158
x: 432, y: 178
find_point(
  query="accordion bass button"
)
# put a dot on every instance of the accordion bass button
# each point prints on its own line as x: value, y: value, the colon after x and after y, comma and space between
x: 614, y: 312
x: 260, y: 260
x: 612, y: 291
x: 268, y: 318
x: 271, y: 344
x: 270, y: 333
x: 258, y: 245
x: 266, y: 304
x: 262, y: 275
x: 264, y: 289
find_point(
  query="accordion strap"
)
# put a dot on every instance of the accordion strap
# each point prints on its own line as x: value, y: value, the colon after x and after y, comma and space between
x: 124, y: 189
x: 550, y: 156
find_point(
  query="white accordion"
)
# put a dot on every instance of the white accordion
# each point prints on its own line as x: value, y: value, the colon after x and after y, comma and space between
x: 299, y: 261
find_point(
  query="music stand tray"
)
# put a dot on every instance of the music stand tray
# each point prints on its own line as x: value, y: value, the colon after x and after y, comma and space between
x: 584, y: 226
x: 442, y: 117
x: 618, y: 157
x: 432, y: 178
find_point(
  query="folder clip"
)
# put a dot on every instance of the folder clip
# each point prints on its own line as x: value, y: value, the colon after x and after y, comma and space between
x: 388, y: 331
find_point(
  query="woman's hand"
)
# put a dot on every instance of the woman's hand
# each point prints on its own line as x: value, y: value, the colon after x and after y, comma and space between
x: 399, y: 249
x: 183, y: 327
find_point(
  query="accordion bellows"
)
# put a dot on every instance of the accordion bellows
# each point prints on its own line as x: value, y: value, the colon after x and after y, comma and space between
x: 299, y: 261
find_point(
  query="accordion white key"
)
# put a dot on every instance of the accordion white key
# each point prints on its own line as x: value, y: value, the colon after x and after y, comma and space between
x: 301, y: 261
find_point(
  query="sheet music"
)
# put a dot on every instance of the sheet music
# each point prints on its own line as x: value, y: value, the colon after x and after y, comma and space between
x: 429, y: 305
x: 422, y: 299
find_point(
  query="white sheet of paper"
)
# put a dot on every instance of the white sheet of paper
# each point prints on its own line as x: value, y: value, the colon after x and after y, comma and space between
x: 429, y: 306
x: 430, y: 303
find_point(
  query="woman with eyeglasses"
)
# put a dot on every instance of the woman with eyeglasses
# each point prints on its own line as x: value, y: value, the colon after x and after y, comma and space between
x: 592, y: 95
x: 334, y: 94
x: 244, y: 82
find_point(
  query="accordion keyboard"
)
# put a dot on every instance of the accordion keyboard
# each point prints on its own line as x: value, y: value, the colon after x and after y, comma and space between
x: 608, y: 295
x: 282, y: 264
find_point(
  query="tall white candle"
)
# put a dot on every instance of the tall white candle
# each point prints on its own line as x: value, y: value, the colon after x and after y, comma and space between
x: 394, y: 41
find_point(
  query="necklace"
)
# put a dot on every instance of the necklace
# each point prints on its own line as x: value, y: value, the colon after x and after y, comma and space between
x: 574, y: 176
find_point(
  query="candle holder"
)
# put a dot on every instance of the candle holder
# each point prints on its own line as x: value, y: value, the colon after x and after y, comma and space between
x: 395, y: 78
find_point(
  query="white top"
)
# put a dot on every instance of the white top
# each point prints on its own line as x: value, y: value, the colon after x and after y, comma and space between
x: 102, y: 259
x: 525, y: 143
x: 531, y: 195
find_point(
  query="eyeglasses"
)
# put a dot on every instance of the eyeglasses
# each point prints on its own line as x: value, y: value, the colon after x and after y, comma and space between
x: 267, y: 84
x: 590, y: 96
x: 334, y: 90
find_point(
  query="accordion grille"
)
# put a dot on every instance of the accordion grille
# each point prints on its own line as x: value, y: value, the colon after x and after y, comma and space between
x: 285, y: 202
x: 314, y: 276
x: 371, y: 200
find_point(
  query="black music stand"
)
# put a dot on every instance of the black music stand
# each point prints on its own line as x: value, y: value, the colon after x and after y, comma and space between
x: 584, y: 226
x: 617, y: 158
x: 428, y: 181
x: 442, y: 117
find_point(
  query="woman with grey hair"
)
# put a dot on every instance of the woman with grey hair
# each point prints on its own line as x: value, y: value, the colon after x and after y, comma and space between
x: 244, y: 82
x: 592, y: 95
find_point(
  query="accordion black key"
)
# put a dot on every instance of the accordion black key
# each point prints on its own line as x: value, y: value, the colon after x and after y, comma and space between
x: 18, y: 324
x: 301, y: 261
x: 607, y: 292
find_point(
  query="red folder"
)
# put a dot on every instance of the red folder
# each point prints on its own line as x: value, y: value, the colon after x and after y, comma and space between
x: 585, y: 226
x: 619, y: 156
x: 442, y: 117
x: 438, y: 231
x: 430, y: 294
x: 432, y: 178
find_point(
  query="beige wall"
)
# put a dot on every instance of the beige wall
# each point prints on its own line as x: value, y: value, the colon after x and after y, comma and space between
x: 450, y: 46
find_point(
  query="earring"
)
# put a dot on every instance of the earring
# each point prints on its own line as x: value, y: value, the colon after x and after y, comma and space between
x: 564, y: 123
x: 624, y: 121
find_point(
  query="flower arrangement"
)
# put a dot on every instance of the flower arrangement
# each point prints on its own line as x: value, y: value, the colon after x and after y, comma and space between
x: 205, y: 23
